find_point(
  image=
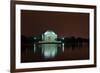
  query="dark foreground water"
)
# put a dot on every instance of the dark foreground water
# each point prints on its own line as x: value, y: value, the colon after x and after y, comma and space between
x: 53, y: 52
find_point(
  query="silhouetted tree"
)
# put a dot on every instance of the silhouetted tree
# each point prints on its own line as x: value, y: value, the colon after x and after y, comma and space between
x: 80, y: 42
x: 72, y: 39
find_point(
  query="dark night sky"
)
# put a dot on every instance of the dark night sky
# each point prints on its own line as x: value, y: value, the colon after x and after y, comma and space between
x: 64, y: 24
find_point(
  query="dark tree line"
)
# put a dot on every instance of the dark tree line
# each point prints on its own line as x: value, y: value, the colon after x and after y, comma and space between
x: 75, y: 42
x: 72, y: 41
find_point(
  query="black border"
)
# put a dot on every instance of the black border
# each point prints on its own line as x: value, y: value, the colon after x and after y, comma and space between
x: 12, y: 30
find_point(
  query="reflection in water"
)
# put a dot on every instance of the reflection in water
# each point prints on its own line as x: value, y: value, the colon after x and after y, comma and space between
x: 34, y: 48
x: 53, y: 52
x: 49, y: 50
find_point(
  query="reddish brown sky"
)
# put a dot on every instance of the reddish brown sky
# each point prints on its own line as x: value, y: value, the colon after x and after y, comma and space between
x: 64, y: 24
